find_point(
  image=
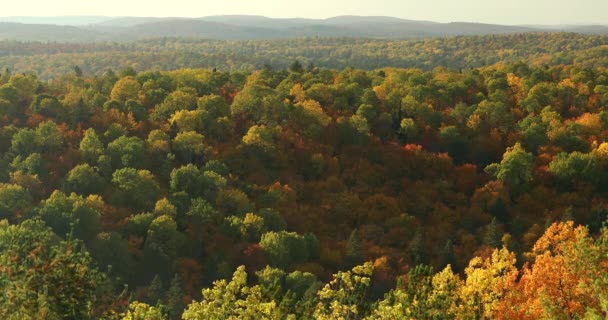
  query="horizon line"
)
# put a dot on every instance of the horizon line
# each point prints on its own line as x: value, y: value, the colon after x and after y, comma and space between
x: 301, y: 18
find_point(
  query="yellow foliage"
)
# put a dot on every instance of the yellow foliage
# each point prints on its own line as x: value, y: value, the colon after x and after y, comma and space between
x: 485, y: 284
x: 313, y: 108
x: 297, y: 91
x: 591, y: 123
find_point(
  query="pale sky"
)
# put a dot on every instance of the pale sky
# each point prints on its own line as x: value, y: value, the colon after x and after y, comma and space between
x: 487, y: 11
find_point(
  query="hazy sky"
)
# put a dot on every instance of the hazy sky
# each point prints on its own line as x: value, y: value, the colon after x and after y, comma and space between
x: 489, y: 11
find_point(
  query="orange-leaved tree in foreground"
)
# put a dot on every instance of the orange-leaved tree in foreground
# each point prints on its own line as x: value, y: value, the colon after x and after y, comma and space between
x: 564, y: 281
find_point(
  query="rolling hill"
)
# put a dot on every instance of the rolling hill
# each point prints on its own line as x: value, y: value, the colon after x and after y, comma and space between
x: 242, y: 27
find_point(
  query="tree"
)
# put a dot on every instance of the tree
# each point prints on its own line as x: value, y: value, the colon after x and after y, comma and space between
x: 256, y: 101
x: 250, y: 227
x: 41, y: 275
x: 46, y: 138
x: 515, y: 169
x: 46, y: 105
x: 135, y: 189
x: 485, y: 285
x: 414, y: 300
x: 126, y: 152
x: 158, y: 141
x: 175, y: 295
x: 26, y: 87
x: 91, y: 148
x: 111, y: 253
x: 368, y: 112
x: 576, y: 166
x: 408, y: 129
x: 125, y: 89
x: 187, y: 120
x: 260, y: 137
x: 14, y: 200
x: 492, y: 235
x: 71, y: 216
x: 163, y: 234
x: 354, y: 251
x: 180, y: 99
x: 155, y: 291
x: 141, y: 311
x: 231, y: 300
x: 296, y: 67
x: 190, y: 146
x: 84, y: 180
x: 31, y: 164
x: 186, y: 179
x: 285, y: 248
x: 214, y: 105
x: 233, y: 202
x: 165, y: 207
x: 344, y: 296
x: 562, y: 281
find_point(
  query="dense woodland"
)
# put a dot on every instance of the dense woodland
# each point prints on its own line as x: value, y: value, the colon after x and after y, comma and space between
x: 306, y: 192
x: 52, y: 60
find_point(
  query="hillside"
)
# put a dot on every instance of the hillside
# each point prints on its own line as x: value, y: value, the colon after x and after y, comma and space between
x: 350, y: 168
x: 235, y: 27
x: 305, y: 193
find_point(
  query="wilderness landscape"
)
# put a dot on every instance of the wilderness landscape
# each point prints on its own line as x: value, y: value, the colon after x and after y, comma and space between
x: 355, y: 167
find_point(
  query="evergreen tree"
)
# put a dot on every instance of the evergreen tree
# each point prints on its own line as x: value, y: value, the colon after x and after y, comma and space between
x: 416, y: 249
x: 568, y: 214
x: 446, y: 255
x: 175, y: 296
x: 155, y: 291
x: 492, y: 235
x: 354, y: 251
x: 296, y: 67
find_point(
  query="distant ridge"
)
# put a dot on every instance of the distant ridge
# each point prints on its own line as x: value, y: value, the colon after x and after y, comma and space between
x: 58, y: 20
x: 249, y: 27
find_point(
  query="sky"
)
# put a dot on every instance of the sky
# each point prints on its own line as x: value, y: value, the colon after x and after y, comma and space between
x: 487, y: 11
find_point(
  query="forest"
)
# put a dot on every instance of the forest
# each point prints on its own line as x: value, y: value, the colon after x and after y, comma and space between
x: 453, y: 189
x: 49, y: 60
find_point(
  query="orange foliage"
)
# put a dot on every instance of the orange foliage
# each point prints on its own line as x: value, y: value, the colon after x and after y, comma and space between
x: 553, y: 285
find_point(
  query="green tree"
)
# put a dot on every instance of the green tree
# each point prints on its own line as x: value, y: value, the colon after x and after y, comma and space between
x: 46, y: 138
x: 163, y: 234
x: 175, y: 298
x: 126, y: 152
x: 125, y: 89
x: 186, y: 179
x: 111, y: 253
x: 354, y: 251
x: 190, y: 146
x: 515, y: 169
x: 285, y: 248
x: 31, y: 164
x: 71, y: 215
x: 180, y: 99
x: 296, y: 67
x: 14, y: 200
x: 408, y: 129
x: 576, y: 166
x: 84, y: 180
x: 43, y: 276
x: 91, y: 148
x: 135, y: 189
x: 492, y: 236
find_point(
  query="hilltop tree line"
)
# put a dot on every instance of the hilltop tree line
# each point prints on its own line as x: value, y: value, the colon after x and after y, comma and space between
x: 52, y: 59
x: 392, y: 193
